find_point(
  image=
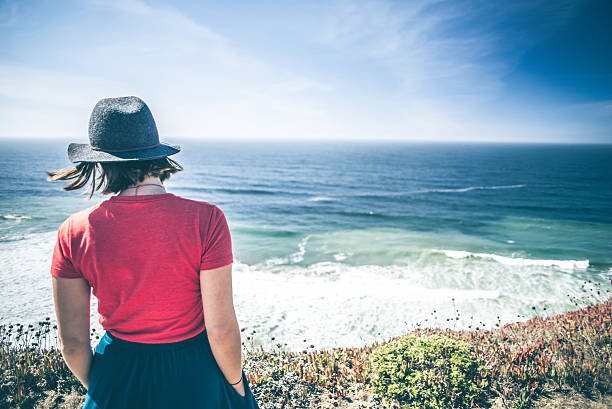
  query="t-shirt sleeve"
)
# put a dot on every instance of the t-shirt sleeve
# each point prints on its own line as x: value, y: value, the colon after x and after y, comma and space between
x: 61, y: 264
x: 217, y: 243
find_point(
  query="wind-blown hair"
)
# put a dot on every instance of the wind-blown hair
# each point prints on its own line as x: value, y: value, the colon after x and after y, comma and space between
x: 117, y: 175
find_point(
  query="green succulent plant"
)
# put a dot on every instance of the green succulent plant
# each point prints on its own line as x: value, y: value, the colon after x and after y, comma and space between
x: 432, y: 372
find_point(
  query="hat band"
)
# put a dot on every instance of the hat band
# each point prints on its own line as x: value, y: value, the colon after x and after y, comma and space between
x: 124, y: 150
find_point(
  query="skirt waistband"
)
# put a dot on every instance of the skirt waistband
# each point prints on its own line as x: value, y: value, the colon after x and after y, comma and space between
x: 141, y: 346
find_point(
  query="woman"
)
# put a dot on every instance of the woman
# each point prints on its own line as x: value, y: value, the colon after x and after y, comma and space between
x: 160, y: 266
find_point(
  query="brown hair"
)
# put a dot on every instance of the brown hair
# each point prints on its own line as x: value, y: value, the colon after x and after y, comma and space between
x: 118, y: 175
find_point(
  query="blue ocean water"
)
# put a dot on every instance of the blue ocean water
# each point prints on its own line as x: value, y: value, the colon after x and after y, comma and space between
x: 343, y: 243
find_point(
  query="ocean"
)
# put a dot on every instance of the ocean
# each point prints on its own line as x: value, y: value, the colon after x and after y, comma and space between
x: 341, y: 244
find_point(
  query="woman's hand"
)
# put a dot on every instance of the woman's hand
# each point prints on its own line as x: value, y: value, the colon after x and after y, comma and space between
x: 239, y: 387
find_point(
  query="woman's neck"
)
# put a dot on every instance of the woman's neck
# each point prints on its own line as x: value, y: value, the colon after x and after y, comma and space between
x: 149, y: 186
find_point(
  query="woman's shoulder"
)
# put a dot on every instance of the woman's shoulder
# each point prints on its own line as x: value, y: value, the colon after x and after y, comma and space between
x: 204, y: 205
x: 77, y: 221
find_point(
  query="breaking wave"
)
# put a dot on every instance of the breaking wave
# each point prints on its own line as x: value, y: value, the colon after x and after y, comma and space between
x: 512, y: 261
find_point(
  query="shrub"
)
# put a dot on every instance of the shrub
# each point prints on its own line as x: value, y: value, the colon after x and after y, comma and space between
x: 429, y: 373
x: 31, y: 366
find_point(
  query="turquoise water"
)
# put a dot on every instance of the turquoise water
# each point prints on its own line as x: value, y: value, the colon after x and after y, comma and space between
x: 344, y: 243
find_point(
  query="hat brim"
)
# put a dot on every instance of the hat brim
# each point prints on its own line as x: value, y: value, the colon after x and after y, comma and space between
x: 82, y: 152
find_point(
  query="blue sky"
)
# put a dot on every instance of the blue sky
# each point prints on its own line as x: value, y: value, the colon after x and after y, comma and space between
x: 520, y: 71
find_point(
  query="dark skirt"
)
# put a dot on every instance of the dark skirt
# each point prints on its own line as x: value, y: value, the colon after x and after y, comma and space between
x: 176, y: 375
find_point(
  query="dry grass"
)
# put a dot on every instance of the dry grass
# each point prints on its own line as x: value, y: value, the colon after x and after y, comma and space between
x: 529, y: 362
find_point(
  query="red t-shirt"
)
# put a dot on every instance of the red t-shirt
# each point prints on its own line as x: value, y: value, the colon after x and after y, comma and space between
x: 142, y: 256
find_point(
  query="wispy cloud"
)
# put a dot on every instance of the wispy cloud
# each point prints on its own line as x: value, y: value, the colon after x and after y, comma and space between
x: 443, y: 60
x: 415, y: 45
x: 197, y: 81
x: 437, y: 47
x: 343, y: 69
x: 599, y: 108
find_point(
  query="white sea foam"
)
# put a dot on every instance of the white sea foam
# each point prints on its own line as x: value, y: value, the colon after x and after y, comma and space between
x: 333, y: 303
x: 25, y: 280
x: 298, y: 256
x: 320, y: 199
x: 16, y: 217
x: 293, y: 258
x: 470, y: 188
x: 275, y: 261
x: 341, y: 256
x: 511, y: 261
x: 504, y: 187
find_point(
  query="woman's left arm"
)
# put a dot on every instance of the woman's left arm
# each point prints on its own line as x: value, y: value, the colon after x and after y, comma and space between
x: 72, y: 296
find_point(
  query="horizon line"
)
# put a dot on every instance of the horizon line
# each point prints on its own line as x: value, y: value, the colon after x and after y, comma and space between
x: 174, y: 140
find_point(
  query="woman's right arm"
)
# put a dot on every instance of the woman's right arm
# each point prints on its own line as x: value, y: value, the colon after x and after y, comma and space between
x: 221, y: 323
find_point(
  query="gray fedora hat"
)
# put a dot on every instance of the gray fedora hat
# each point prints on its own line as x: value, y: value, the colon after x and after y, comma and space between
x: 121, y: 129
